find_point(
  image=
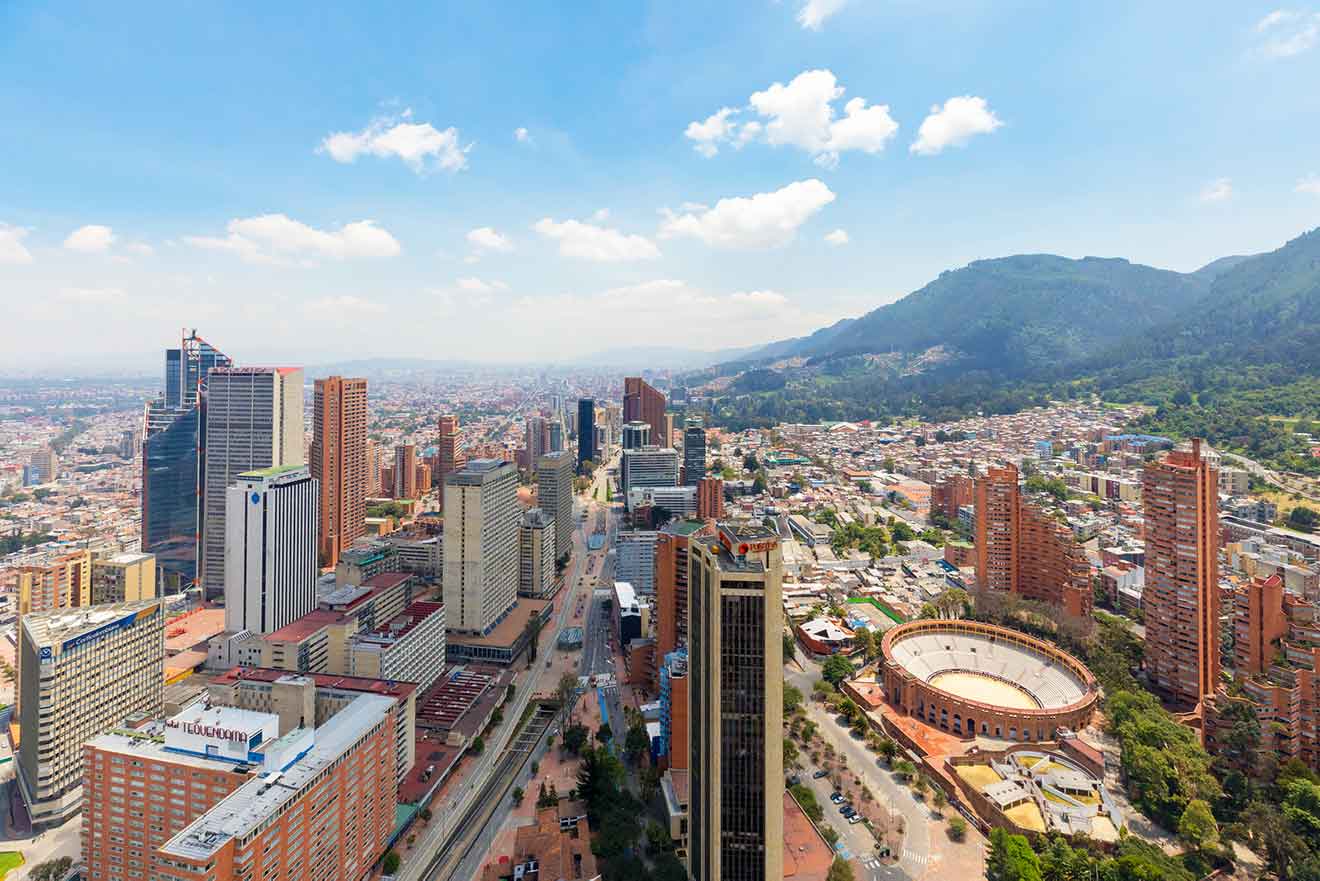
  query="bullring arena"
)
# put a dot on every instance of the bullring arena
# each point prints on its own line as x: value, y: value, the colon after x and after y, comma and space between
x: 969, y: 679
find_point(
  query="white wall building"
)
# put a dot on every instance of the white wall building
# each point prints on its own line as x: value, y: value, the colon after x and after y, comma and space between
x: 481, y: 544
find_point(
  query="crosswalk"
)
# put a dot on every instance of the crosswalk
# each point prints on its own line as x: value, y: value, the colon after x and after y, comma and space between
x: 912, y: 856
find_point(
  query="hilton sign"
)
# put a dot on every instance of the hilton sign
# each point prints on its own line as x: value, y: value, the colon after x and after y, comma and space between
x: 214, y: 732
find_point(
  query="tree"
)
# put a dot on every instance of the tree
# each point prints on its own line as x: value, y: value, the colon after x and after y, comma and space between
x: 957, y: 828
x: 790, y: 753
x: 904, y: 769
x: 389, y: 865
x: 840, y: 870
x: 533, y: 632
x: 790, y: 647
x: 518, y: 795
x: 575, y: 738
x: 1303, y: 518
x: 603, y: 733
x: 939, y: 799
x: 1011, y: 858
x: 864, y: 642
x: 1197, y: 826
x: 636, y: 742
x: 750, y: 463
x: 836, y: 669
x: 478, y: 746
x: 807, y: 799
x: 888, y: 749
x: 792, y: 699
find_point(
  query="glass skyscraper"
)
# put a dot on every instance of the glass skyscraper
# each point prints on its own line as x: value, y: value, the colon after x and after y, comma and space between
x: 173, y: 439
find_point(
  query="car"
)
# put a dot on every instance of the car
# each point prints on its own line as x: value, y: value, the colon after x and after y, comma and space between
x: 836, y: 798
x: 794, y: 780
x: 820, y: 774
x: 844, y: 809
x: 855, y: 818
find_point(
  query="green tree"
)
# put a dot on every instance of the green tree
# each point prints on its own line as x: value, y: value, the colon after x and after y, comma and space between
x: 888, y: 749
x: 792, y: 699
x: 389, y: 865
x: 1303, y: 518
x: 840, y: 870
x: 864, y: 642
x: 904, y: 769
x: 575, y: 738
x: 517, y: 795
x: 790, y: 647
x: 1197, y: 826
x: 636, y: 742
x: 1011, y: 858
x: 836, y: 669
x: 957, y: 828
x: 603, y: 733
x: 790, y: 753
x: 478, y: 746
x: 807, y: 799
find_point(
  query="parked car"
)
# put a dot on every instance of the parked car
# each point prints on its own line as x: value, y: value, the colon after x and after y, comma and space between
x: 845, y: 809
x: 855, y: 818
x: 836, y: 798
x: 794, y: 780
x: 820, y: 774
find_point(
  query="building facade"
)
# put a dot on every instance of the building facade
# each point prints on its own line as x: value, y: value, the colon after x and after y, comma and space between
x: 481, y: 544
x: 536, y: 554
x: 449, y: 452
x: 554, y: 494
x: 644, y: 403
x: 636, y: 559
x: 60, y: 581
x: 1181, y: 594
x: 405, y: 471
x: 339, y: 463
x: 648, y: 466
x: 735, y: 696
x: 586, y: 431
x: 79, y: 675
x: 254, y: 420
x: 710, y: 498
x: 271, y: 535
x: 123, y: 578
x: 694, y: 450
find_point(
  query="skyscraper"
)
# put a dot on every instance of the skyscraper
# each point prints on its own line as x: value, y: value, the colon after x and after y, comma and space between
x: 710, y: 498
x: 735, y: 696
x: 586, y: 431
x: 254, y: 420
x: 644, y: 403
x: 537, y: 431
x: 536, y: 554
x: 648, y: 466
x: 1181, y: 596
x: 449, y: 455
x: 405, y: 471
x: 172, y: 438
x: 554, y: 493
x: 270, y: 547
x: 481, y: 545
x: 694, y: 451
x: 556, y: 442
x: 671, y: 583
x: 636, y: 435
x: 339, y: 462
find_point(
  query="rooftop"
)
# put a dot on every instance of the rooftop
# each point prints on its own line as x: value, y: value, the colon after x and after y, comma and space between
x: 64, y: 624
x: 297, y: 631
x: 273, y: 471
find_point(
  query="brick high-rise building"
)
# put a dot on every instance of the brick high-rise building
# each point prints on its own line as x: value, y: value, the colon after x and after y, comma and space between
x: 671, y: 582
x: 951, y: 494
x: 449, y: 452
x: 1259, y: 625
x: 710, y: 499
x: 339, y: 463
x: 644, y: 403
x: 1181, y: 596
x: 405, y: 471
x: 736, y: 701
x: 1023, y: 549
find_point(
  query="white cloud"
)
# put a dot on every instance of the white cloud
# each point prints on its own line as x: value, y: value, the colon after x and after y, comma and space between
x: 760, y: 221
x: 1288, y: 32
x: 814, y: 12
x: 710, y: 132
x: 600, y: 215
x: 521, y: 135
x: 140, y: 249
x: 12, y: 249
x: 1218, y: 190
x: 272, y: 238
x: 591, y: 242
x: 485, y: 238
x: 92, y: 296
x: 344, y: 307
x: 954, y: 124
x: 90, y: 239
x: 800, y: 114
x: 478, y: 286
x: 837, y: 237
x: 421, y: 145
x: 1309, y: 184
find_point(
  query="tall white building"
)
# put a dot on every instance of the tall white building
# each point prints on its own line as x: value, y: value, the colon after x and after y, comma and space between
x: 648, y: 466
x: 481, y: 545
x: 270, y: 548
x: 554, y: 494
x: 636, y: 560
x: 253, y: 419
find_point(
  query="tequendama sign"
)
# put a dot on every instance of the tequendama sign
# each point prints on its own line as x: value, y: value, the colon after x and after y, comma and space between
x: 214, y: 732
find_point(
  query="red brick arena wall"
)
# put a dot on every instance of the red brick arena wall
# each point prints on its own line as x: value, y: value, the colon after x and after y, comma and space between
x: 911, y: 694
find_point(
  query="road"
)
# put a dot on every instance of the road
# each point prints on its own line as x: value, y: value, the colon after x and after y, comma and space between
x: 1272, y: 477
x: 485, y: 789
x: 915, y: 814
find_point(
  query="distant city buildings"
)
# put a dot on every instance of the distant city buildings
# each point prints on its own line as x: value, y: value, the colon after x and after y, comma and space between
x: 340, y: 463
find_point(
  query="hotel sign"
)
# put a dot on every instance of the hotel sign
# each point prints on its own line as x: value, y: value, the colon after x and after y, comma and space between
x: 743, y: 548
x: 213, y: 732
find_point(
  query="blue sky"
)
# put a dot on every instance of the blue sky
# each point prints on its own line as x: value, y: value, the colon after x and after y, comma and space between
x: 170, y: 165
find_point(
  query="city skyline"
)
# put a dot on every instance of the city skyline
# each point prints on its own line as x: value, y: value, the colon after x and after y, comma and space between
x: 777, y: 192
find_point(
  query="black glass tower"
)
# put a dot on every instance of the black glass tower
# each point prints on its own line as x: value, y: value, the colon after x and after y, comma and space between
x: 586, y: 430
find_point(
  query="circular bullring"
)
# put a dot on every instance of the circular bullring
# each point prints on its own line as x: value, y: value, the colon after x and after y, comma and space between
x: 970, y: 678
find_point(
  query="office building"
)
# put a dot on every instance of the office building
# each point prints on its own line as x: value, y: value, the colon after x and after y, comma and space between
x: 45, y: 465
x: 1021, y: 548
x: 270, y: 574
x: 648, y: 466
x: 449, y: 452
x: 410, y: 647
x: 710, y: 498
x: 554, y: 494
x: 254, y: 420
x: 537, y: 436
x: 636, y: 560
x: 678, y: 501
x: 694, y: 450
x: 481, y: 545
x: 735, y: 696
x: 374, y: 467
x: 128, y: 444
x: 536, y: 555
x: 405, y: 471
x: 80, y: 674
x: 123, y: 578
x: 643, y: 403
x: 1181, y: 595
x: 556, y: 440
x: 172, y: 441
x: 62, y: 580
x: 671, y: 582
x: 322, y: 808
x: 586, y: 431
x: 339, y: 463
x: 636, y: 435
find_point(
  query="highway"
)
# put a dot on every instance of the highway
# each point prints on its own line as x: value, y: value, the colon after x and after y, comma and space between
x: 490, y: 780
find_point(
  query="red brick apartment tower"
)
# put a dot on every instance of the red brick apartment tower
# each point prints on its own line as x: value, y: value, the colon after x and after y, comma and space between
x: 338, y: 460
x: 1051, y: 565
x: 1181, y: 597
x: 671, y: 583
x: 1259, y: 625
x: 644, y: 403
x: 450, y: 457
x: 405, y: 471
x: 997, y: 529
x: 710, y: 499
